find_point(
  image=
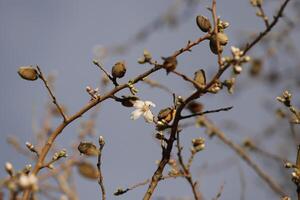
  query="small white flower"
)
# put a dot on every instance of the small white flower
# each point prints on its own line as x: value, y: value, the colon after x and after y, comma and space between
x: 143, y: 108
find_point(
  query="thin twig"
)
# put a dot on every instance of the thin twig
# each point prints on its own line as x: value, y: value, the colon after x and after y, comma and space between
x: 240, y: 151
x: 186, y: 171
x: 216, y: 31
x: 100, y: 179
x: 263, y: 15
x: 121, y: 191
x: 106, y: 73
x: 188, y: 79
x: 41, y: 76
x: 207, y: 112
x: 268, y: 29
x: 218, y: 195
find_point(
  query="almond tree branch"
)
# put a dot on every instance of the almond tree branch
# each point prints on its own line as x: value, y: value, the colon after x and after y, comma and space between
x: 167, y: 152
x: 240, y: 151
x: 60, y: 110
x: 207, y: 112
x: 100, y: 179
x: 186, y: 170
x: 215, y: 20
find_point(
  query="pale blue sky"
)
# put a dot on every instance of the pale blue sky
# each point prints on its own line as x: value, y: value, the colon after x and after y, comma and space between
x: 59, y: 36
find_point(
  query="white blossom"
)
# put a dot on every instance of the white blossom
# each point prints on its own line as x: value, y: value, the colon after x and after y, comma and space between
x: 143, y: 108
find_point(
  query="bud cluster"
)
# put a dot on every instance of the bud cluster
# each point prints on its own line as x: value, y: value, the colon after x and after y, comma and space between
x: 198, y: 145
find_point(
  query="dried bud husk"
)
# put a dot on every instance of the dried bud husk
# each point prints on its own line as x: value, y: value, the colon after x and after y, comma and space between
x: 198, y: 145
x: 170, y: 63
x: 195, y: 107
x: 88, y: 148
x: 118, y: 70
x: 203, y: 23
x: 214, y: 48
x: 200, y: 77
x: 87, y: 170
x: 166, y: 115
x: 128, y: 101
x: 28, y: 73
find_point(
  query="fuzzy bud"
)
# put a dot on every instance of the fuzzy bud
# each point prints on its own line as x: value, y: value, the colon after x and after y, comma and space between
x: 88, y: 148
x: 170, y: 63
x: 118, y: 70
x: 203, y: 23
x: 28, y: 73
x: 87, y: 170
x: 200, y: 78
x: 9, y: 168
x: 101, y: 140
x: 213, y: 46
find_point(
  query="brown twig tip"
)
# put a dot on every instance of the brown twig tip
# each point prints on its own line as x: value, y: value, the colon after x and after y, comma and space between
x: 207, y: 112
x: 100, y: 179
x: 59, y: 108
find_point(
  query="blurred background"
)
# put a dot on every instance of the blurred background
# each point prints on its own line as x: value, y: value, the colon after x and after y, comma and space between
x: 63, y: 37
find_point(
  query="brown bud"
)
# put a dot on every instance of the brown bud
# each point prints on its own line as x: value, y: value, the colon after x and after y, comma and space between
x: 222, y: 37
x: 200, y: 77
x: 195, y: 107
x: 88, y: 148
x: 87, y: 170
x: 213, y: 46
x: 166, y: 115
x: 28, y: 73
x: 118, y: 70
x: 128, y: 101
x: 203, y: 23
x: 170, y: 63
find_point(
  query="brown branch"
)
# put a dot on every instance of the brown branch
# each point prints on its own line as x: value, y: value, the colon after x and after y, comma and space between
x: 263, y: 15
x: 121, y: 191
x: 156, y: 84
x: 186, y: 170
x: 167, y: 152
x: 100, y: 179
x: 268, y: 29
x: 240, y: 151
x: 219, y: 192
x: 188, y: 79
x: 207, y: 112
x: 105, y: 72
x: 216, y: 31
x: 60, y: 110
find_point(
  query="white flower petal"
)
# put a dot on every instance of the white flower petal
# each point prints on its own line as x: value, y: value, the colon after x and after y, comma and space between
x: 136, y: 114
x: 138, y: 104
x: 148, y: 116
x: 149, y: 103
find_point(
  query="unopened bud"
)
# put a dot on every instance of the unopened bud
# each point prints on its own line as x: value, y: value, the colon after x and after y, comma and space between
x: 203, y: 23
x: 28, y: 73
x: 101, y: 140
x: 118, y: 70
